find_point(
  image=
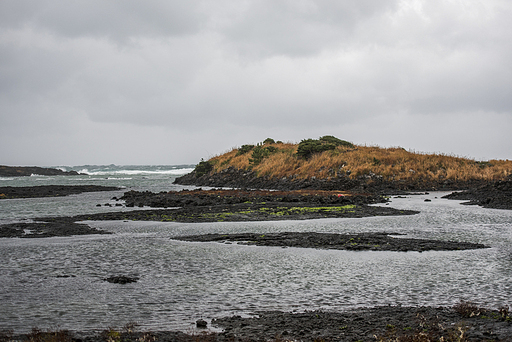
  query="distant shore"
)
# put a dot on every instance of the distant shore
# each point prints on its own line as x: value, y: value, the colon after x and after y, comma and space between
x: 21, y: 171
x: 7, y: 192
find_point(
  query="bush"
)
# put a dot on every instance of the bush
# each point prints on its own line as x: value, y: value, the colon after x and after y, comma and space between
x: 308, y: 147
x: 244, y: 149
x: 203, y: 168
x: 335, y: 141
x: 259, y: 153
x: 268, y: 141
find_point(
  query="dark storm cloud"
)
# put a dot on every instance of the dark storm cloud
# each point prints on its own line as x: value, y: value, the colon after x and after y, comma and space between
x: 226, y: 73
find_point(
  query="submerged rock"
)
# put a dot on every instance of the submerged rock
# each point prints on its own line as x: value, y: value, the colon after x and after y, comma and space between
x: 121, y: 280
x: 201, y: 323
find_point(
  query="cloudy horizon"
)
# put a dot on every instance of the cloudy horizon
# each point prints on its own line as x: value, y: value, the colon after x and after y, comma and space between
x: 171, y: 82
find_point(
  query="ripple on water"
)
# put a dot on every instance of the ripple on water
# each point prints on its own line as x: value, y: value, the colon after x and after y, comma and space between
x: 59, y: 281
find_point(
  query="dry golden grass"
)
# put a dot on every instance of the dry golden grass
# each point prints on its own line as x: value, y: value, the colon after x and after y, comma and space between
x: 390, y: 163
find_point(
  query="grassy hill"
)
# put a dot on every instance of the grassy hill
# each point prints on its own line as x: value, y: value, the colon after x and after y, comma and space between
x: 329, y: 163
x: 278, y: 160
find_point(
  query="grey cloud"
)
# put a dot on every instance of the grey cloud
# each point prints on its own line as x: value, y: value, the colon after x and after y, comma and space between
x: 114, y: 20
x: 297, y: 28
x: 234, y: 72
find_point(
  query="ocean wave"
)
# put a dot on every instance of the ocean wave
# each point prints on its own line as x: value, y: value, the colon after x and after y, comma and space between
x: 129, y: 170
x: 42, y: 177
x: 138, y: 172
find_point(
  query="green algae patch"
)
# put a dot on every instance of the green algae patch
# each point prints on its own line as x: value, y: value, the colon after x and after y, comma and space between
x: 270, y: 213
x: 240, y: 212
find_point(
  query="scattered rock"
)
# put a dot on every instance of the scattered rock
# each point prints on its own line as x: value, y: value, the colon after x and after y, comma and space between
x: 201, y: 323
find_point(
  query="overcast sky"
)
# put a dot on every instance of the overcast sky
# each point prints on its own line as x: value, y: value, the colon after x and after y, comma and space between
x: 171, y: 82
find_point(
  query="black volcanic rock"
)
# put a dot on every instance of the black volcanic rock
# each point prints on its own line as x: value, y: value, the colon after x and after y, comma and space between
x: 50, y: 190
x: 46, y: 229
x: 372, y: 183
x: 121, y: 279
x: 19, y: 171
x: 497, y: 195
x: 201, y: 197
x: 352, y: 242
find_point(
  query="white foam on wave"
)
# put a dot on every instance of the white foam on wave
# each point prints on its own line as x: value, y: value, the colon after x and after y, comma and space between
x: 140, y: 172
x: 42, y: 177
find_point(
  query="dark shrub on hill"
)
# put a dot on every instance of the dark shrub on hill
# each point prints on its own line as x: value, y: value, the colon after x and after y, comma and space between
x: 338, y: 142
x: 308, y: 147
x: 259, y: 153
x: 244, y: 149
x: 203, y: 168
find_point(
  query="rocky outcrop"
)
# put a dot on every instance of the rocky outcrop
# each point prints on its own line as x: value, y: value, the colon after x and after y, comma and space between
x: 352, y: 242
x: 46, y: 229
x: 497, y: 195
x: 201, y: 197
x: 235, y: 178
x: 19, y: 171
x: 50, y: 190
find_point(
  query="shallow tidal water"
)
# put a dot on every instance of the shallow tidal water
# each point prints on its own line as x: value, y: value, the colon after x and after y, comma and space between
x: 59, y: 281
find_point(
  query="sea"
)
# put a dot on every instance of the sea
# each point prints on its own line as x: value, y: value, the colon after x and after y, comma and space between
x: 59, y: 281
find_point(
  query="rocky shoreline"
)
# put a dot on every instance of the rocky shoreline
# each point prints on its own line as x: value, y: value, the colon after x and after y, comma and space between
x: 370, y: 183
x: 22, y: 171
x: 462, y: 322
x: 388, y: 323
x: 7, y: 192
x: 496, y: 195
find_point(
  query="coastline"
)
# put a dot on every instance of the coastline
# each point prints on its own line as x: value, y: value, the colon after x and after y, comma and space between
x: 24, y: 171
x: 462, y: 322
x: 385, y: 322
x: 234, y: 178
x: 8, y: 192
